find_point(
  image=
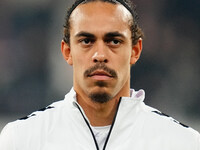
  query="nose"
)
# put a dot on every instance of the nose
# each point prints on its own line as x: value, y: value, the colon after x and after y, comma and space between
x: 100, y: 54
x: 97, y: 57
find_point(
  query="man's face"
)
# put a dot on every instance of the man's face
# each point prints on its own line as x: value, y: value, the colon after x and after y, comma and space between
x: 101, y: 50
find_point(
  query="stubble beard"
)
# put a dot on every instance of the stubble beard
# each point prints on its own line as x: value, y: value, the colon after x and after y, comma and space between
x: 100, y: 97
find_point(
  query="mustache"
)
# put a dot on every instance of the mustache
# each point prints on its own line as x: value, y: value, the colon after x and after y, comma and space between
x: 101, y: 66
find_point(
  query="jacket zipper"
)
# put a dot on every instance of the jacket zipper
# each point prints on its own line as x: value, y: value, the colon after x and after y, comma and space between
x: 107, y: 138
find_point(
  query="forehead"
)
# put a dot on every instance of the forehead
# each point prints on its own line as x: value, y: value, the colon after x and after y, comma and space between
x: 100, y: 15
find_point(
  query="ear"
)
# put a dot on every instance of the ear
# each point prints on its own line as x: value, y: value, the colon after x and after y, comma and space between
x: 66, y: 51
x: 136, y: 52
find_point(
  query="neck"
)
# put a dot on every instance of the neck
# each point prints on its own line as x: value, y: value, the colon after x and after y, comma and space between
x: 100, y: 114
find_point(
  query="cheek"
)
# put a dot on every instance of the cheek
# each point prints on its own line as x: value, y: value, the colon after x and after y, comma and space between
x: 78, y: 64
x: 123, y: 65
x: 124, y: 68
x: 78, y: 67
x: 124, y: 60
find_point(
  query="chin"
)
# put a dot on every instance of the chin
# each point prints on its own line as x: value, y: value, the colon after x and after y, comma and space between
x: 100, y: 97
x: 100, y: 92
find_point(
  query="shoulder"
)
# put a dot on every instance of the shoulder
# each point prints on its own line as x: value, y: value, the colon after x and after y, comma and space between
x: 33, y: 127
x: 161, y: 119
x: 6, y: 138
x: 42, y: 115
x: 162, y: 125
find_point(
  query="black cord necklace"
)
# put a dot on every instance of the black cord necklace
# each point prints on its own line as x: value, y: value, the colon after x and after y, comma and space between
x: 88, y: 124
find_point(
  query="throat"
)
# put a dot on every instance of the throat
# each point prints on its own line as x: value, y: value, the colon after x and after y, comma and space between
x: 99, y: 114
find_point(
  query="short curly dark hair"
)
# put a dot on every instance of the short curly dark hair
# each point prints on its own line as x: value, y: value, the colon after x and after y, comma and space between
x: 130, y: 6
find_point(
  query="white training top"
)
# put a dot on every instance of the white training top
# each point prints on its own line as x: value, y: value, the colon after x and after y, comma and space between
x: 64, y: 126
x: 101, y: 134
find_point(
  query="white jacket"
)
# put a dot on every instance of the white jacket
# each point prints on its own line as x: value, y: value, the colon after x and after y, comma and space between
x: 61, y: 126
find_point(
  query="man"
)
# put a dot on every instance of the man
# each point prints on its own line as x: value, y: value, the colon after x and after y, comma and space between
x: 101, y: 41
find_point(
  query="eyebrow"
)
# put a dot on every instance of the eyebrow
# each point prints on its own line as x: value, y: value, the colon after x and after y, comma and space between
x: 107, y: 35
x: 114, y: 34
x: 85, y: 34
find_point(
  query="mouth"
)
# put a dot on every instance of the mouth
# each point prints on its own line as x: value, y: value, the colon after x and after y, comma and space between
x: 100, y: 75
x: 100, y: 72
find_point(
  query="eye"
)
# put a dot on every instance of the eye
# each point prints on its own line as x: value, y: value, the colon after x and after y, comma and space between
x: 114, y: 42
x: 86, y: 41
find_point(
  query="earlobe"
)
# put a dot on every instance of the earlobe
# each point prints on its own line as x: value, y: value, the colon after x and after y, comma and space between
x: 136, y: 52
x: 66, y: 51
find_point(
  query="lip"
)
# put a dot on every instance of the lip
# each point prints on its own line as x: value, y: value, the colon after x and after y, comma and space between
x: 100, y: 75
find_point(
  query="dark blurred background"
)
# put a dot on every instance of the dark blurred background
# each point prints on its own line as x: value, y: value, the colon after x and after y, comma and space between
x: 33, y: 73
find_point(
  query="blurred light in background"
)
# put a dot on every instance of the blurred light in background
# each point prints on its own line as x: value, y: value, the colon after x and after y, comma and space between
x: 33, y: 73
